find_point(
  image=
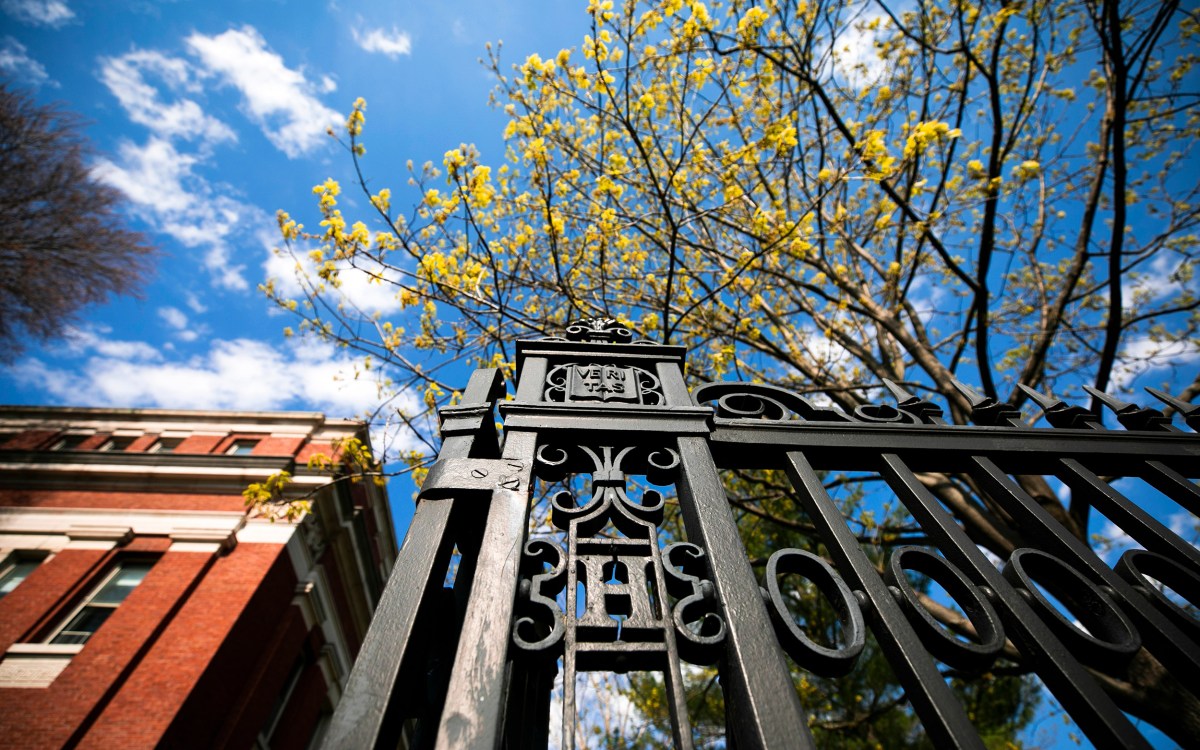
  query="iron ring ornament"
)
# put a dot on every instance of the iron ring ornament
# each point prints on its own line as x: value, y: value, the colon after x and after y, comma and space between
x: 1110, y: 637
x: 821, y: 660
x: 1137, y: 566
x: 962, y: 655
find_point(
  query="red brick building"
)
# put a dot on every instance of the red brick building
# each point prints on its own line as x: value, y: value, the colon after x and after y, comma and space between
x: 142, y: 606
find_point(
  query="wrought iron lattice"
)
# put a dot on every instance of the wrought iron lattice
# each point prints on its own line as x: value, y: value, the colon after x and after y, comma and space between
x: 602, y: 416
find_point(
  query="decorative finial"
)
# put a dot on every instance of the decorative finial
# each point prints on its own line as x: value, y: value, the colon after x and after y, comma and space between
x: 986, y: 410
x: 1132, y: 416
x: 602, y: 330
x: 926, y: 411
x: 1190, y: 412
x: 1059, y: 413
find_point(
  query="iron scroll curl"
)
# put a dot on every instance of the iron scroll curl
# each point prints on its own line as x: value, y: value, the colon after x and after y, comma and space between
x: 758, y: 401
x: 700, y: 629
x: 538, y: 623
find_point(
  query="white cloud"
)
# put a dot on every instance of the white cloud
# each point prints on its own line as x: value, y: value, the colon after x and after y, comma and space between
x: 83, y: 340
x: 852, y: 55
x: 16, y: 62
x: 1142, y: 355
x: 239, y: 374
x: 1186, y: 526
x: 151, y: 175
x: 392, y: 43
x: 358, y: 288
x: 1168, y: 273
x: 39, y: 12
x: 177, y: 321
x: 159, y: 180
x: 126, y: 77
x: 173, y: 317
x: 277, y: 98
x: 1114, y: 542
x: 194, y: 303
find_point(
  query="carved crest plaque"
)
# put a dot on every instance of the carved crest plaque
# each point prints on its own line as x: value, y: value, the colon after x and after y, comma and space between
x: 603, y: 382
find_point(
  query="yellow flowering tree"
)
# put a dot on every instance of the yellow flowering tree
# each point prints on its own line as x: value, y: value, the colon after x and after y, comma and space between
x: 815, y: 195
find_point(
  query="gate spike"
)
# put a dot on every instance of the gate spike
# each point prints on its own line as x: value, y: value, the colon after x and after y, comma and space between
x: 1132, y: 416
x: 1190, y: 412
x: 1183, y: 407
x: 986, y: 410
x: 1058, y: 412
x: 901, y: 395
x: 1117, y: 405
x: 926, y: 411
x: 1044, y: 401
x: 975, y: 397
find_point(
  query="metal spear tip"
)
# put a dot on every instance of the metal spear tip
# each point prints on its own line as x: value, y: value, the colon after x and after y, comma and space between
x: 1112, y: 402
x: 1183, y: 407
x: 1132, y: 416
x: 1047, y: 402
x: 986, y: 410
x: 1058, y: 412
x: 926, y: 411
x: 901, y: 395
x: 976, y: 398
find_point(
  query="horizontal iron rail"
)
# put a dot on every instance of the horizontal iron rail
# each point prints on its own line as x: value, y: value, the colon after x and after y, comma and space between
x: 851, y: 447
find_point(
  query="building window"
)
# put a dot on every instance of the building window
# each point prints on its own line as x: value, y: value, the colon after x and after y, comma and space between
x: 100, y: 603
x: 281, y: 702
x: 69, y: 442
x: 242, y: 447
x: 14, y: 570
x: 165, y: 445
x: 118, y: 443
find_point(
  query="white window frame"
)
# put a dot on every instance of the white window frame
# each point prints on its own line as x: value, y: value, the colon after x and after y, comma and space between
x: 91, y: 595
x: 233, y: 449
x: 17, y: 558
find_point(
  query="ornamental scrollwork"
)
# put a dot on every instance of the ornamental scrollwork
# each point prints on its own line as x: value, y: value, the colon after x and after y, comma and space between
x: 609, y: 599
x: 599, y: 330
x: 761, y: 402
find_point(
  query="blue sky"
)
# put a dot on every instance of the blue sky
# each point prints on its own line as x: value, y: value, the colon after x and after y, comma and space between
x: 211, y: 116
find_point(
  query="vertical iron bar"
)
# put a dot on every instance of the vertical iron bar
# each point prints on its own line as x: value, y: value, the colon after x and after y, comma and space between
x: 473, y: 714
x: 420, y: 568
x: 1161, y: 636
x: 940, y: 711
x: 528, y: 715
x: 759, y: 694
x: 533, y: 380
x: 1139, y: 524
x: 1069, y: 680
x: 1173, y: 484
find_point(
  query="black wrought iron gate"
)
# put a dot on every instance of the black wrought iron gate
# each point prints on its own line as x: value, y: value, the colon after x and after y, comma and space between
x: 464, y: 649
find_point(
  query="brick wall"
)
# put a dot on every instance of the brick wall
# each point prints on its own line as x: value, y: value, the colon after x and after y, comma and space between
x: 60, y: 714
x: 22, y: 498
x: 48, y: 589
x: 205, y: 655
